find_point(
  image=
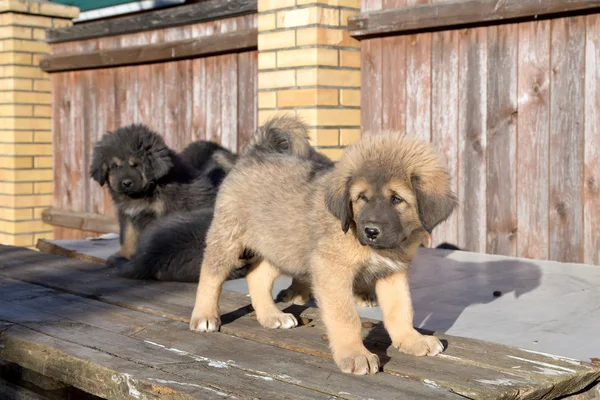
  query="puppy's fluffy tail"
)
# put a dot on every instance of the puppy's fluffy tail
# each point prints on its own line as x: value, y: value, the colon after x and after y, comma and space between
x: 283, y: 134
x: 171, y: 249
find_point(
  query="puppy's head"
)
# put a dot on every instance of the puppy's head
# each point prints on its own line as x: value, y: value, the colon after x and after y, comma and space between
x: 389, y: 187
x: 131, y: 160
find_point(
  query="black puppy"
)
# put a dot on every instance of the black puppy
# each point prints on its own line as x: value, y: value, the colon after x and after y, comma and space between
x: 147, y: 180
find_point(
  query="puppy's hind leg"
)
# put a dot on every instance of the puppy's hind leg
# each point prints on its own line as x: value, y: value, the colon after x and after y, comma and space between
x: 220, y: 258
x: 260, y: 278
x: 299, y: 292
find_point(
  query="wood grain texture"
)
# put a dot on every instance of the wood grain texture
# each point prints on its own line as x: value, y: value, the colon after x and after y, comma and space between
x: 371, y: 93
x: 229, y: 100
x: 199, y: 99
x: 128, y: 320
x: 566, y: 139
x: 533, y: 137
x: 472, y: 122
x: 247, y: 94
x: 221, y: 43
x: 501, y: 140
x: 213, y: 99
x: 393, y: 84
x: 459, y: 12
x: 444, y: 118
x: 591, y: 179
x: 418, y: 86
x: 80, y: 220
x: 175, y: 16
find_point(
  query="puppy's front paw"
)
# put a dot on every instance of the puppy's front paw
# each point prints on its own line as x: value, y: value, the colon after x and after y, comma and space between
x: 419, y: 345
x: 365, y: 299
x: 361, y: 362
x: 291, y: 295
x: 204, y: 323
x: 112, y: 261
x: 278, y: 321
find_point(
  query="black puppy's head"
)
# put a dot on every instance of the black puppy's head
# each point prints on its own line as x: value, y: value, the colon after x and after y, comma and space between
x: 131, y: 160
x: 390, y: 188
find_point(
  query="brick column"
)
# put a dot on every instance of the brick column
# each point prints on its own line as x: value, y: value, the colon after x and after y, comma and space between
x: 310, y: 66
x: 25, y: 118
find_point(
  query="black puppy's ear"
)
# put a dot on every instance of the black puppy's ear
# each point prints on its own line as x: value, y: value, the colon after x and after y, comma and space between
x: 99, y: 168
x: 160, y: 165
x: 338, y: 202
x: 435, y: 200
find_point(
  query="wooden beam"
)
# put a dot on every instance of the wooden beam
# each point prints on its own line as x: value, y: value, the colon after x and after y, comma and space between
x: 219, y: 43
x: 459, y: 12
x: 82, y: 221
x: 174, y: 16
x: 47, y: 246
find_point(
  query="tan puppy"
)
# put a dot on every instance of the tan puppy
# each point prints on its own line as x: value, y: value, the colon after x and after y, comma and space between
x: 353, y: 224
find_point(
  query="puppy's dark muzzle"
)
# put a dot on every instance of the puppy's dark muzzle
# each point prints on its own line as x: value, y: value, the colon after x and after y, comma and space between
x: 377, y: 236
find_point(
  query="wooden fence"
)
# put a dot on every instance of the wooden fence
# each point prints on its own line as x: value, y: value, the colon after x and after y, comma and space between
x: 186, y: 79
x: 513, y: 107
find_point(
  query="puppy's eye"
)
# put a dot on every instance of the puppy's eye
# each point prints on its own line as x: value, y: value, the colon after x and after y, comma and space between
x: 133, y: 165
x: 397, y: 200
x: 363, y: 197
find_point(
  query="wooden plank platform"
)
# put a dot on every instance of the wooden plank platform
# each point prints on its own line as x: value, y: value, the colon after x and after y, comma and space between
x: 77, y: 323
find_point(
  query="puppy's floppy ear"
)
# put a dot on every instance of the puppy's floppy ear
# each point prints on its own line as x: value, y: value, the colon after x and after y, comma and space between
x: 159, y: 164
x: 338, y: 202
x: 435, y: 200
x: 99, y: 168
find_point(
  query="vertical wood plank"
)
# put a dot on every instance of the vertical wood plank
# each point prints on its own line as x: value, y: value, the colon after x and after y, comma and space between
x: 501, y: 140
x: 371, y: 73
x: 229, y: 101
x: 60, y: 104
x: 472, y: 86
x: 175, y: 80
x: 157, y: 97
x: 592, y: 143
x: 105, y: 121
x: 184, y: 122
x: 213, y: 99
x: 566, y: 139
x: 418, y: 86
x: 533, y: 136
x: 444, y: 118
x: 393, y: 83
x: 108, y: 108
x: 371, y: 85
x: 76, y: 192
x: 198, y: 99
x: 89, y: 116
x: 247, y: 97
x: 128, y: 81
x: 172, y: 104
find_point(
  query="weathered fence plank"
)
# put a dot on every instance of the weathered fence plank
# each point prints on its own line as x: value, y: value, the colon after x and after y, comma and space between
x: 472, y: 101
x: 566, y: 139
x: 533, y: 136
x: 501, y: 140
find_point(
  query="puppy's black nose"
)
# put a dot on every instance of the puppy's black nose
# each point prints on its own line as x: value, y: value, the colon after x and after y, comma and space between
x: 126, y: 183
x: 372, y: 232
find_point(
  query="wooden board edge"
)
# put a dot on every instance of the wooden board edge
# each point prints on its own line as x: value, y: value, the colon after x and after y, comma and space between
x: 219, y: 43
x: 456, y: 13
x: 52, y: 248
x: 163, y: 18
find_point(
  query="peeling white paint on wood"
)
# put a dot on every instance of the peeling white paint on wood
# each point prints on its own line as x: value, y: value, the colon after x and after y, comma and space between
x: 217, y: 392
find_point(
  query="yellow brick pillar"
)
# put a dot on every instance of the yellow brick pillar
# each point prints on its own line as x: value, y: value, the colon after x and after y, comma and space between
x: 25, y: 118
x: 310, y: 66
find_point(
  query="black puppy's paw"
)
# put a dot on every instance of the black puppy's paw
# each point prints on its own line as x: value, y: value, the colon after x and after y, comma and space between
x: 115, y: 261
